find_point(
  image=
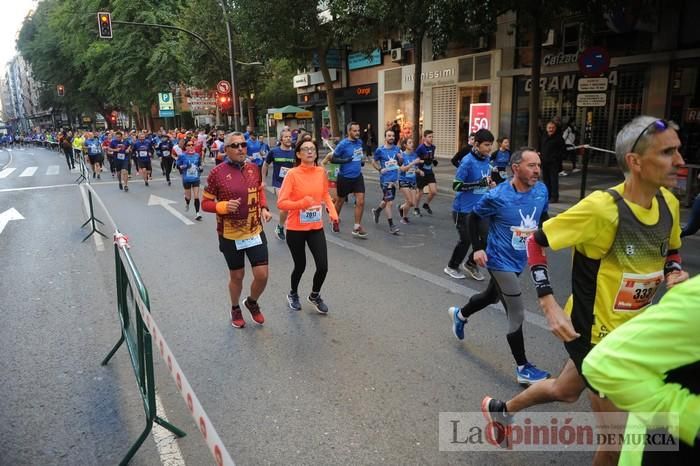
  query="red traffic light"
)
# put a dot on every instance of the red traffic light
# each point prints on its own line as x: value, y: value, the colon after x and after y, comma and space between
x: 104, y: 24
x: 60, y: 90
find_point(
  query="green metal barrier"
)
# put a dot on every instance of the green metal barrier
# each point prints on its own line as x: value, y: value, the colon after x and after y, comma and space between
x: 138, y: 341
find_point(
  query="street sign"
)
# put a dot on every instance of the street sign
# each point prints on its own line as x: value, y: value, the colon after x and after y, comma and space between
x: 479, y: 117
x: 591, y: 100
x: 166, y: 107
x: 593, y: 61
x: 593, y: 84
x: 223, y: 87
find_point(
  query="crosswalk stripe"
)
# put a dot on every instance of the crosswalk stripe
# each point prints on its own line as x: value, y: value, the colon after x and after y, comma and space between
x: 6, y: 172
x: 29, y: 171
x: 52, y: 170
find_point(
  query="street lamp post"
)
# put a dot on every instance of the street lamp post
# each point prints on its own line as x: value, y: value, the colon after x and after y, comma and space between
x: 236, y: 126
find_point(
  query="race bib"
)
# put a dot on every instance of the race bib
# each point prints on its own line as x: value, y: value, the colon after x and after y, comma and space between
x: 336, y: 171
x: 391, y: 164
x: 121, y: 156
x: 519, y: 237
x: 483, y: 190
x: 357, y: 155
x: 311, y: 215
x: 283, y: 171
x: 636, y: 291
x: 503, y: 174
x: 166, y: 153
x: 256, y: 156
x: 192, y: 170
x: 143, y: 154
x: 248, y: 243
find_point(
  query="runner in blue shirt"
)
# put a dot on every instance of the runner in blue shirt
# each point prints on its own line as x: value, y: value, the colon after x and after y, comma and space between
x: 142, y: 154
x: 120, y: 149
x: 407, y: 179
x: 349, y: 153
x: 94, y: 151
x: 500, y: 160
x: 426, y: 152
x: 165, y: 152
x: 387, y: 160
x: 515, y: 210
x: 282, y: 160
x: 472, y: 181
x: 190, y: 165
x: 254, y: 149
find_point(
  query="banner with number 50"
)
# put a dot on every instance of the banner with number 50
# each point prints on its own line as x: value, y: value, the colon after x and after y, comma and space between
x: 479, y: 117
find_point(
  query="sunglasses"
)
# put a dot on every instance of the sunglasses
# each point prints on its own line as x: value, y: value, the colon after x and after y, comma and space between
x: 658, y: 125
x: 237, y: 145
x: 308, y: 149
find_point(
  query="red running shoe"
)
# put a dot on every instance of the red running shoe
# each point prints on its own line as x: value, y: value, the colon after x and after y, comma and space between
x: 237, y: 318
x: 255, y: 312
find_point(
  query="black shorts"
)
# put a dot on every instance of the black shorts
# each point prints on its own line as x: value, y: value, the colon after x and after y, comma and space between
x: 143, y: 163
x: 121, y: 164
x: 407, y: 184
x: 96, y: 158
x: 423, y: 181
x: 193, y: 184
x: 235, y: 259
x: 389, y: 191
x: 346, y: 186
x: 578, y: 349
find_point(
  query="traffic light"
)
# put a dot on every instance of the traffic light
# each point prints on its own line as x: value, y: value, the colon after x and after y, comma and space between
x: 60, y: 90
x: 224, y: 102
x: 104, y: 22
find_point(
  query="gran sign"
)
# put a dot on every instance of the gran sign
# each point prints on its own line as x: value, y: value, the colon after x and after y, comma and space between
x: 564, y: 82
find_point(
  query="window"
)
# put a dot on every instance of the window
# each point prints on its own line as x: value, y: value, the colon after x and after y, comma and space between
x: 571, y: 38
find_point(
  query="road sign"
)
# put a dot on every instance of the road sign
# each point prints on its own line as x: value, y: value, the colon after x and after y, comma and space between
x: 593, y: 84
x: 593, y: 61
x: 591, y: 100
x: 479, y: 117
x: 223, y: 87
x: 166, y: 107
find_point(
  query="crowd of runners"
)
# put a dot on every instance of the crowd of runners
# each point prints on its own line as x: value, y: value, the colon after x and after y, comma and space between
x: 626, y: 240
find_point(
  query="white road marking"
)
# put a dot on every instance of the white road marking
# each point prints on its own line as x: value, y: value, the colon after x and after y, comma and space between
x: 7, y: 216
x: 32, y: 188
x: 165, y: 203
x: 166, y: 442
x: 29, y: 171
x: 52, y: 170
x: 99, y: 243
x: 6, y: 172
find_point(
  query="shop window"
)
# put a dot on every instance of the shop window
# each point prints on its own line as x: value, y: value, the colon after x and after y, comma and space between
x: 482, y: 67
x: 392, y: 80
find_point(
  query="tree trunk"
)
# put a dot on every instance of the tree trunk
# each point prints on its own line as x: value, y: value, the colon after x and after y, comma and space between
x: 251, y: 113
x: 330, y: 92
x: 533, y: 135
x: 418, y: 69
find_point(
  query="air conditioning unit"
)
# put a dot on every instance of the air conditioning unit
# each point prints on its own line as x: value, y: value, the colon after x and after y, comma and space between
x: 396, y: 54
x: 550, y: 39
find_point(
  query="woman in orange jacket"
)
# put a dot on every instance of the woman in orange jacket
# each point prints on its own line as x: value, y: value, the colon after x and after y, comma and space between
x: 304, y: 190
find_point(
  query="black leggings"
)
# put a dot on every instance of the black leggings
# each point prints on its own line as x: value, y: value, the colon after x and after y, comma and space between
x: 69, y: 157
x: 167, y: 164
x: 316, y: 240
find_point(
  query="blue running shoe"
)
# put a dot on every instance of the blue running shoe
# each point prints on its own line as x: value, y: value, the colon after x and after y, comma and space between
x: 457, y: 323
x: 530, y: 374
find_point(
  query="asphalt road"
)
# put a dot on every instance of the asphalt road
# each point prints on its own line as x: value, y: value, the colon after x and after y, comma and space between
x: 362, y: 385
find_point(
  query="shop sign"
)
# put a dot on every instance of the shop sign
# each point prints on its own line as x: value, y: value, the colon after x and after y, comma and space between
x: 360, y: 60
x: 479, y: 117
x: 301, y: 80
x: 564, y: 82
x: 692, y: 115
x: 552, y: 59
x: 432, y: 78
x: 593, y: 84
x: 592, y: 100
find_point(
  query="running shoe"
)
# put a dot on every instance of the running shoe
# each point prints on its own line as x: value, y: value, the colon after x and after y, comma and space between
x: 126, y: 188
x: 427, y: 208
x: 187, y: 207
x: 237, y: 318
x: 563, y: 173
x: 279, y: 232
x: 293, y: 300
x: 359, y: 232
x: 405, y: 221
x: 146, y: 183
x: 530, y: 374
x: 99, y: 177
x: 394, y: 230
x: 376, y: 212
x: 497, y: 419
x: 457, y: 323
x: 168, y: 182
x: 454, y: 273
x: 255, y: 312
x: 318, y: 303
x: 198, y: 216
x: 120, y: 186
x: 416, y: 212
x: 473, y: 271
